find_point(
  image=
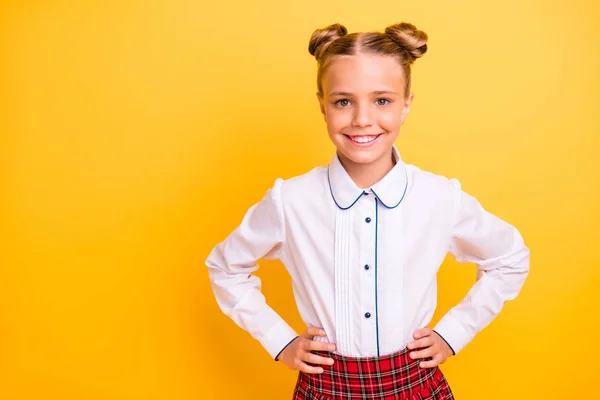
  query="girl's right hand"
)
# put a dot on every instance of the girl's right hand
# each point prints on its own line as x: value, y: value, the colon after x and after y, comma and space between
x: 298, y: 352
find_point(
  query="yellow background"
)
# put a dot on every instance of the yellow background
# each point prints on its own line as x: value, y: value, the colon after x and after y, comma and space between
x: 135, y: 135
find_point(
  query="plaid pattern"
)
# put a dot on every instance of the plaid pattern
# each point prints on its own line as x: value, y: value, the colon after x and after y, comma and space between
x: 390, y: 377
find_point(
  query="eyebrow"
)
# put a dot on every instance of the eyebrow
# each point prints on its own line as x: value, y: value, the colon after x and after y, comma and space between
x: 350, y: 94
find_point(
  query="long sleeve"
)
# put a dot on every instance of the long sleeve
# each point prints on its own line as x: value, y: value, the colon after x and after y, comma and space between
x: 502, y: 260
x: 231, y: 263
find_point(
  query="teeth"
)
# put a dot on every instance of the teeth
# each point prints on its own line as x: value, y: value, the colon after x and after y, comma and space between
x: 363, y: 139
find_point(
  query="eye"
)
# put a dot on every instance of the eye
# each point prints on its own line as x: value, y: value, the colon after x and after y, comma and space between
x: 385, y: 101
x: 342, y: 102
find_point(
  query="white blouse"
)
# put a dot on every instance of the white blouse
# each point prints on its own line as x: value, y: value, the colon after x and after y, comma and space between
x: 363, y: 263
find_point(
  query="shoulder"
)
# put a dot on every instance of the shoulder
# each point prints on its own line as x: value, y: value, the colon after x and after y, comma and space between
x: 310, y: 183
x: 430, y: 183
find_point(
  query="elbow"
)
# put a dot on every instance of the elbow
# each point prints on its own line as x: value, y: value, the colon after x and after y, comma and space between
x: 519, y: 261
x: 525, y: 262
x: 518, y: 272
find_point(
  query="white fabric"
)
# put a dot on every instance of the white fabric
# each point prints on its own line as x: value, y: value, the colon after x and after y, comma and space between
x: 316, y: 224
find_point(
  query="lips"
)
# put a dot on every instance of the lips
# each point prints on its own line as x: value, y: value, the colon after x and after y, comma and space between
x: 363, y: 140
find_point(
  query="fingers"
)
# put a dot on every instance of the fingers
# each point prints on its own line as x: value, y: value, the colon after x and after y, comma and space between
x: 309, y: 369
x: 423, y: 342
x: 314, y: 345
x: 310, y: 345
x: 431, y: 351
x: 435, y: 361
x: 314, y: 331
x: 428, y: 352
x: 419, y: 333
x: 316, y: 359
x: 301, y: 356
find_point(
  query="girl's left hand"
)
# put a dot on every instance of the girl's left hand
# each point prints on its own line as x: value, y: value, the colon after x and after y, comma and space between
x: 432, y: 345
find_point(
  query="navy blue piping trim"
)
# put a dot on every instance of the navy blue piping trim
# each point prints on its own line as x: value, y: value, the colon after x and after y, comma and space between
x: 453, y: 352
x: 333, y: 197
x: 403, y: 194
x: 285, y: 347
x: 376, y: 251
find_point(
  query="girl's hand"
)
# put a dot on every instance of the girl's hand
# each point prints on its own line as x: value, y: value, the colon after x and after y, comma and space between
x: 297, y: 353
x: 432, y: 345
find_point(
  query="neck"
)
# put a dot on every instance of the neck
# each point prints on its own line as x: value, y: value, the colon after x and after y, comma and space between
x: 366, y: 175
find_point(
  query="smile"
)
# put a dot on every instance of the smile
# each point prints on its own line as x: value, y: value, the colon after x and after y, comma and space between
x: 363, y: 141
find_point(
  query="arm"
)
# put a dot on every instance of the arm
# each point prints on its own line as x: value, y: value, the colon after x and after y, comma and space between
x: 231, y: 263
x: 502, y: 260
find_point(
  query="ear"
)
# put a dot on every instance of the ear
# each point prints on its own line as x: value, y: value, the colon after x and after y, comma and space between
x: 321, y: 104
x: 406, y: 108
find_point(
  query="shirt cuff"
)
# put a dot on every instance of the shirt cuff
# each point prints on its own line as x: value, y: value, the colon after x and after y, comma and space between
x: 453, y: 333
x: 277, y: 356
x: 278, y: 337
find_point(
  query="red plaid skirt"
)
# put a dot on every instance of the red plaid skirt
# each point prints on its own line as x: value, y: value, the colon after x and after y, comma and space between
x: 390, y: 377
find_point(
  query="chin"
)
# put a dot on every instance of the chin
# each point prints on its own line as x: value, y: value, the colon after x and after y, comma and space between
x: 361, y: 156
x: 358, y: 155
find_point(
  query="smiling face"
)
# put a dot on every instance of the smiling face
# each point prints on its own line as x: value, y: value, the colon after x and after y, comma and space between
x: 364, y: 105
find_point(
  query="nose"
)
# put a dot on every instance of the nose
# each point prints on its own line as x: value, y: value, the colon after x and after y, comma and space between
x: 362, y: 116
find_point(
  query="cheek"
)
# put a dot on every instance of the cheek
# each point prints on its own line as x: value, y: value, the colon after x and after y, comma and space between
x: 390, y: 120
x: 337, y: 119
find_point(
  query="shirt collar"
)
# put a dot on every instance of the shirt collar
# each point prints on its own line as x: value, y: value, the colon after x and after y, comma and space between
x: 390, y: 190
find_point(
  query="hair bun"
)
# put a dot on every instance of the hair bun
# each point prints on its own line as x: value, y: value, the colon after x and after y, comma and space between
x: 406, y: 35
x: 322, y: 38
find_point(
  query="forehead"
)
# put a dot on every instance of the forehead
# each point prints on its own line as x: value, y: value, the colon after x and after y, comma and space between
x: 363, y: 73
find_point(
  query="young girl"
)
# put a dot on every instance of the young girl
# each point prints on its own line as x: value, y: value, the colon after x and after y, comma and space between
x: 363, y: 238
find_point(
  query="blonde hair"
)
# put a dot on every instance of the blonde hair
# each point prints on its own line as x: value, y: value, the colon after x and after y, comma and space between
x: 402, y: 41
